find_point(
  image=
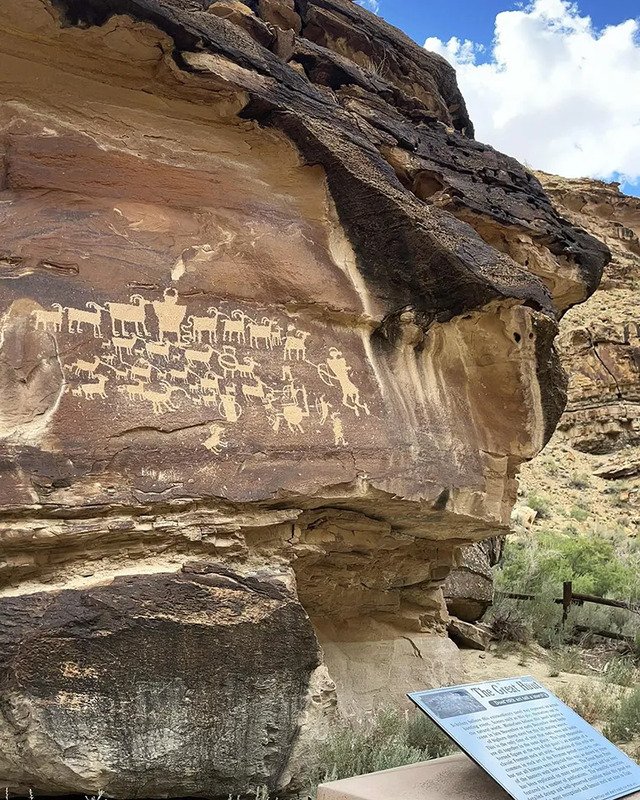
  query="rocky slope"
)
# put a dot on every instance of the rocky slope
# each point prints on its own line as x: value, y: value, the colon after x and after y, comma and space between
x: 600, y: 341
x: 276, y: 335
x: 589, y: 473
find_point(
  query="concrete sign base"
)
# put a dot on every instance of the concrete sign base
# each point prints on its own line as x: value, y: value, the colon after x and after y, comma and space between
x: 451, y: 778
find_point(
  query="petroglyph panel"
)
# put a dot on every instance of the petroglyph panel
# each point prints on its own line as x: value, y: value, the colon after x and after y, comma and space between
x: 234, y: 365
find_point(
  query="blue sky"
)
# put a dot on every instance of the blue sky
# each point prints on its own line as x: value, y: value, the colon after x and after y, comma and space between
x: 474, y: 19
x: 554, y: 83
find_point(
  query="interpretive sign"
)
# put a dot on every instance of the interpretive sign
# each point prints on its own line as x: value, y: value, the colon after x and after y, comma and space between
x: 530, y: 742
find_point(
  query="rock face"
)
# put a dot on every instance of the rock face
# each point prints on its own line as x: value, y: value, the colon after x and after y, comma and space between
x: 591, y: 467
x: 275, y: 335
x: 468, y: 590
x: 600, y: 341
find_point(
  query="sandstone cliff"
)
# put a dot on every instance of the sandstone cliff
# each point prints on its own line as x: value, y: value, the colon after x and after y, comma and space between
x: 589, y: 475
x: 276, y: 335
x: 590, y: 469
x: 600, y: 342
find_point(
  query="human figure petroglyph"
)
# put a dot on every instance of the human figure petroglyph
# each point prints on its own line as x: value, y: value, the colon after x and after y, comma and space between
x: 169, y: 314
x: 323, y: 407
x: 46, y: 319
x: 77, y: 317
x: 295, y: 344
x: 228, y: 405
x: 338, y: 429
x: 95, y: 388
x: 131, y: 313
x: 339, y: 370
x: 214, y: 442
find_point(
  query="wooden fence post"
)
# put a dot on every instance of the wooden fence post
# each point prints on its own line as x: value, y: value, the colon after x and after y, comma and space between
x: 567, y: 597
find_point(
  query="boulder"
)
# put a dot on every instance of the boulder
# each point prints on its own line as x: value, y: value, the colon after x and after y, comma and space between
x: 192, y: 679
x: 467, y: 635
x: 468, y: 589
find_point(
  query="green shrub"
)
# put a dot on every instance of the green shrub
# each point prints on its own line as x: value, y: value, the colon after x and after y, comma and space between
x: 624, y: 724
x: 595, y: 702
x: 540, y: 504
x: 580, y: 480
x: 426, y: 736
x: 565, y: 659
x: 590, y: 561
x: 579, y: 513
x: 524, y: 621
x: 389, y: 739
x: 621, y: 671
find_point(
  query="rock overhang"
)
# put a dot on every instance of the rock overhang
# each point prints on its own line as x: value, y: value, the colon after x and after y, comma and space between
x: 267, y: 306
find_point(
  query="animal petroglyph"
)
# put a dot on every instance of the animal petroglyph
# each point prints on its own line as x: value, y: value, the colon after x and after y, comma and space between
x: 86, y: 368
x: 214, y: 442
x: 46, y: 320
x: 154, y: 359
x: 124, y: 345
x: 295, y: 344
x: 265, y: 333
x: 132, y: 314
x: 161, y: 400
x: 133, y: 389
x: 160, y: 349
x: 199, y: 326
x: 77, y: 318
x: 254, y: 391
x: 95, y: 388
x: 234, y: 326
x: 199, y: 356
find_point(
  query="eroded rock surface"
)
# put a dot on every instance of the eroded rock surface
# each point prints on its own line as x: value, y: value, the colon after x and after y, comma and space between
x: 600, y: 341
x: 276, y: 334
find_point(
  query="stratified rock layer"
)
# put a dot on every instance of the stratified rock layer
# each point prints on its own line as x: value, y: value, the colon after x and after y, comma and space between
x: 600, y: 341
x: 276, y: 334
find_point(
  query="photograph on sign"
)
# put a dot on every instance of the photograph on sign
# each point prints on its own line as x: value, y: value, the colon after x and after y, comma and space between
x: 530, y: 742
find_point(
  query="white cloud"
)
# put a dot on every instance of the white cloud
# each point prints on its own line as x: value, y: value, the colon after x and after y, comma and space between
x: 555, y: 92
x: 372, y: 5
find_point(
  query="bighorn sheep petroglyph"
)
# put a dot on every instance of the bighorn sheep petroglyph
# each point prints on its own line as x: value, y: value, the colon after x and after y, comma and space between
x: 77, y: 317
x: 132, y: 313
x: 46, y: 319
